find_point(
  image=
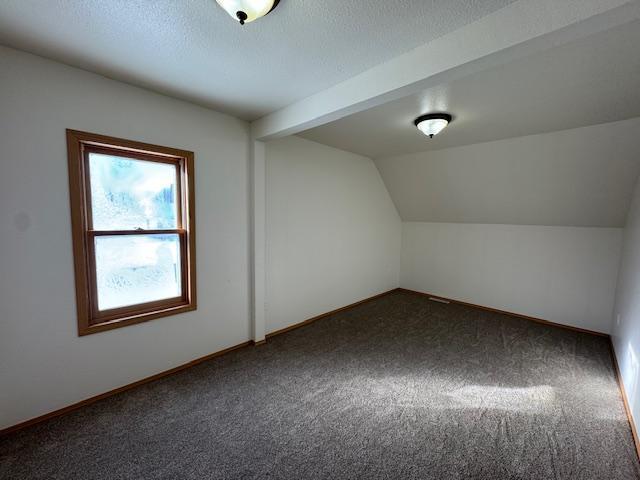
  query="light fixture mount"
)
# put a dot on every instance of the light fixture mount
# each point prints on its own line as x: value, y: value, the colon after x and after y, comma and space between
x: 242, y: 17
x: 432, y: 123
x: 245, y: 11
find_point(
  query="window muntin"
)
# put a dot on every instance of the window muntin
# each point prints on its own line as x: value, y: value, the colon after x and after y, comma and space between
x: 134, y: 240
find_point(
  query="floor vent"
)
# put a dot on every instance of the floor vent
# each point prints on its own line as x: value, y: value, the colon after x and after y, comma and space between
x: 439, y: 300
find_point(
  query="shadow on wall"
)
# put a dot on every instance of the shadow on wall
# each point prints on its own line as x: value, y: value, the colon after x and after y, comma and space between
x: 626, y: 328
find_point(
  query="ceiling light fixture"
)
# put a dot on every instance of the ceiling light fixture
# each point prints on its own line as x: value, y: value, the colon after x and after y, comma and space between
x: 432, y: 123
x: 246, y: 11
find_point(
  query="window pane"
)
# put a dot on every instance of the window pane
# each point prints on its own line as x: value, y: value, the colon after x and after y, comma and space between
x: 127, y: 194
x: 133, y: 269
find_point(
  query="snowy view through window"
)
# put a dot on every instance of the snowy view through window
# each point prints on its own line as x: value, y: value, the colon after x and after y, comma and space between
x: 128, y: 194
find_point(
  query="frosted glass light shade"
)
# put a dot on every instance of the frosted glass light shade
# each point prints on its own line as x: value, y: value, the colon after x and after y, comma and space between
x: 433, y: 123
x: 246, y: 11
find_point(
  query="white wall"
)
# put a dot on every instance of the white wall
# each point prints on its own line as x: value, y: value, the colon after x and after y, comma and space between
x: 626, y: 324
x: 583, y: 177
x: 561, y: 274
x: 531, y: 225
x: 333, y: 233
x: 333, y: 238
x: 44, y: 365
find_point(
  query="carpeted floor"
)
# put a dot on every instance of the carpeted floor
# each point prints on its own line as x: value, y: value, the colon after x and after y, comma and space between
x: 396, y: 388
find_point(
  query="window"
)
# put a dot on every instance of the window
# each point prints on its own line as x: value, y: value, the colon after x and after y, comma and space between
x: 132, y: 213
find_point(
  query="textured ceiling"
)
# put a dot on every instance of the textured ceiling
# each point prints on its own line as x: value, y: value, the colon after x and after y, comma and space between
x: 193, y: 50
x: 581, y: 177
x: 589, y: 81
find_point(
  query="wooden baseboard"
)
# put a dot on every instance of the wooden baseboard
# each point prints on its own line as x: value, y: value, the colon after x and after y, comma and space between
x: 197, y: 361
x: 623, y: 393
x: 115, y: 391
x: 324, y: 315
x: 89, y: 401
x: 519, y: 315
x: 625, y: 399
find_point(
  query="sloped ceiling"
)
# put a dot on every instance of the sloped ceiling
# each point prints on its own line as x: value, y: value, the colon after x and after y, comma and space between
x: 195, y: 51
x: 592, y: 80
x: 548, y: 139
x: 580, y: 177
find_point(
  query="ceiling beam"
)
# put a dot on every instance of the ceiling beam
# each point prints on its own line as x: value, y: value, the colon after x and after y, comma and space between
x: 520, y: 29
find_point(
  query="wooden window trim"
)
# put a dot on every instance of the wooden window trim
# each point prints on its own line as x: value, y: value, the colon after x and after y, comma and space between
x: 90, y: 320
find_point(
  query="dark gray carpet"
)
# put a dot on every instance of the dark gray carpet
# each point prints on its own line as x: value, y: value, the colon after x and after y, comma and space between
x: 397, y: 388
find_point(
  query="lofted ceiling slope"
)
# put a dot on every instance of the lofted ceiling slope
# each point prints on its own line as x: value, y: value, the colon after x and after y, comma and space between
x: 193, y: 50
x: 589, y: 81
x: 581, y: 177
